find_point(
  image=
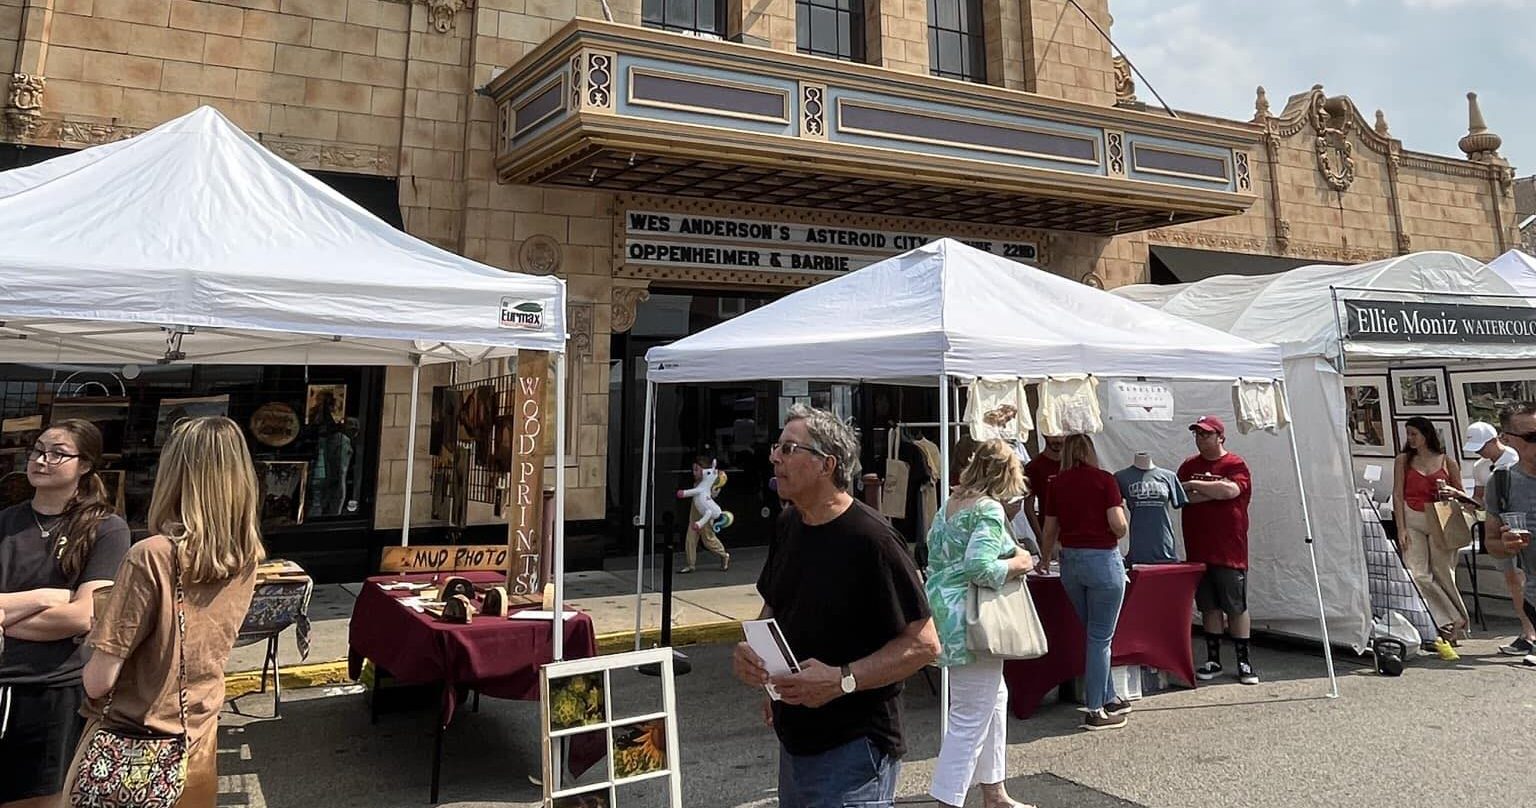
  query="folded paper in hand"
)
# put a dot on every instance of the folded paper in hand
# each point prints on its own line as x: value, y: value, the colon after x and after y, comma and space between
x: 767, y: 641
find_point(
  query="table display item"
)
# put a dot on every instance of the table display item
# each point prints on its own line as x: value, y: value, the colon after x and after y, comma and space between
x: 275, y: 424
x: 495, y: 602
x: 458, y: 609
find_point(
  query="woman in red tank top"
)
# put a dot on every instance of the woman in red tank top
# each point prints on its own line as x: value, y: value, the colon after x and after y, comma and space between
x: 1423, y: 476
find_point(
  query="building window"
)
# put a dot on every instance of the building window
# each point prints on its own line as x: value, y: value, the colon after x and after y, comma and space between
x: 956, y: 48
x: 699, y: 17
x: 831, y: 28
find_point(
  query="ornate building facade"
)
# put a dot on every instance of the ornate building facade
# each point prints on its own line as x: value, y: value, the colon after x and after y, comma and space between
x: 679, y: 165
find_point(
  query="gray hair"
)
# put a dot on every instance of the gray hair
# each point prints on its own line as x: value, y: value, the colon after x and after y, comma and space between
x: 832, y: 437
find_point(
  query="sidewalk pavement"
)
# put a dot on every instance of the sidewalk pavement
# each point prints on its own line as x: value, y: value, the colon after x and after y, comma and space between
x: 707, y: 607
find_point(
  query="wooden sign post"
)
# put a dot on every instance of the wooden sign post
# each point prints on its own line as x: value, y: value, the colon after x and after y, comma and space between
x: 525, y: 520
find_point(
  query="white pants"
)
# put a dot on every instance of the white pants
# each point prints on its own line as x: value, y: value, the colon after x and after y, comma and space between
x: 975, y: 748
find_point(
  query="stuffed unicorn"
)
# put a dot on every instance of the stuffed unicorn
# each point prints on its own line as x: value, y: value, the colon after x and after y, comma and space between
x: 711, y: 480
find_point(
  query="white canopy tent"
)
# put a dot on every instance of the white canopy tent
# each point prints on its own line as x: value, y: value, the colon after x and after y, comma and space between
x: 1518, y: 269
x: 947, y: 311
x: 191, y: 243
x: 1303, y: 311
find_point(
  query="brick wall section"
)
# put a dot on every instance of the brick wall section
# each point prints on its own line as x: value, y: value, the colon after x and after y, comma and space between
x: 1003, y: 27
x: 897, y: 35
x: 1067, y: 58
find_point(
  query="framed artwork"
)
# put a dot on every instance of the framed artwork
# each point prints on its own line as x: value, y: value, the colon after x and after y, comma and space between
x: 284, y: 489
x: 20, y: 433
x: 110, y: 415
x: 1445, y: 426
x: 325, y: 402
x: 1419, y: 391
x: 1365, y: 415
x: 175, y: 410
x: 578, y: 707
x: 477, y: 418
x: 1480, y: 395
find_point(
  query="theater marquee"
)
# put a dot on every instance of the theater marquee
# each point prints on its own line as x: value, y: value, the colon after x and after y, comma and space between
x: 661, y: 239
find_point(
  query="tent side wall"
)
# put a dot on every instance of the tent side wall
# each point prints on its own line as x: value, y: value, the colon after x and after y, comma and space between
x: 1281, y: 596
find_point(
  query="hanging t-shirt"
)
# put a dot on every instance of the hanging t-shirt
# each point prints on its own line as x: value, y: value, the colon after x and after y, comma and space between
x: 1216, y: 532
x: 1149, y: 493
x: 998, y: 408
x: 1069, y: 405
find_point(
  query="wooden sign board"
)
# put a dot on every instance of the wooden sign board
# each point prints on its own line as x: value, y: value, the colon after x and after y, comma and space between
x: 525, y: 518
x: 465, y: 558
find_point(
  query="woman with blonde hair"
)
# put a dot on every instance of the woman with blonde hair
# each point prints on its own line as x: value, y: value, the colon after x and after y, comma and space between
x: 968, y: 544
x: 161, y: 642
x: 1085, y: 514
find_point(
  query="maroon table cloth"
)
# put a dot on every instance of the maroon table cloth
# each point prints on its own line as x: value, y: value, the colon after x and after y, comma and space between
x: 494, y: 656
x: 1154, y: 630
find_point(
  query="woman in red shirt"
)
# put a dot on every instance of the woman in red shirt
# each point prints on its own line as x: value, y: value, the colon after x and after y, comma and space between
x: 1085, y: 513
x: 1425, y: 474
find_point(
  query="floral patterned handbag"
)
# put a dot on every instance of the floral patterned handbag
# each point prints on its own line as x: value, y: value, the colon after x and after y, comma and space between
x: 125, y: 769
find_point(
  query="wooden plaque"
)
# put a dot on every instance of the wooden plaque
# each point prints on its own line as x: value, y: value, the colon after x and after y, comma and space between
x: 426, y: 558
x: 525, y: 516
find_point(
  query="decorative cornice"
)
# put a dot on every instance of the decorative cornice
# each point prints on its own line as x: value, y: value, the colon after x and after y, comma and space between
x: 440, y: 13
x: 1257, y: 246
x: 302, y: 153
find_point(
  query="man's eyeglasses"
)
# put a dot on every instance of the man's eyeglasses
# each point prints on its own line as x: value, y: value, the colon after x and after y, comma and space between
x: 50, y: 457
x: 789, y: 447
x: 1528, y: 437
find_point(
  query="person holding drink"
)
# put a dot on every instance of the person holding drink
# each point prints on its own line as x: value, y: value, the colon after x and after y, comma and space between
x: 1511, y: 501
x: 1422, y: 477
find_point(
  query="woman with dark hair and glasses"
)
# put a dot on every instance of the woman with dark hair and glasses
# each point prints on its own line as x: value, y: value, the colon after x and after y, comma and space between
x: 55, y: 551
x: 1423, y: 475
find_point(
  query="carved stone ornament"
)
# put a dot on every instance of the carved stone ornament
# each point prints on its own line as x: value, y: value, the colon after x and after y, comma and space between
x: 1333, y: 120
x: 1260, y: 105
x: 813, y: 111
x: 1404, y: 243
x: 1125, y: 85
x: 625, y: 300
x: 440, y: 13
x: 1283, y: 235
x: 24, y: 104
x: 539, y: 255
x: 1093, y: 279
x: 580, y: 326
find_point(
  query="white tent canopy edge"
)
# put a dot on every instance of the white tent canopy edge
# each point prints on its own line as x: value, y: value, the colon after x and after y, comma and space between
x: 192, y: 243
x: 947, y: 310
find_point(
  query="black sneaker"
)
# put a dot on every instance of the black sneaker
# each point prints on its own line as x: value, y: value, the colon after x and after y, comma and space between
x: 1098, y: 719
x: 1208, y: 671
x: 1118, y: 707
x: 1520, y: 647
x: 1246, y: 675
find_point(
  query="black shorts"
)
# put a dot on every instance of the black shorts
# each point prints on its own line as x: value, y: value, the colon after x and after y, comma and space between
x: 41, y: 731
x: 1223, y: 589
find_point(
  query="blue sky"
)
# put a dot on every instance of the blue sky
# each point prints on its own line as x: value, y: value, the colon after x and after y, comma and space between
x: 1413, y: 59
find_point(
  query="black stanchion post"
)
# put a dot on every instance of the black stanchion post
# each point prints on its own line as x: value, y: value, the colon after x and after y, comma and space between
x: 669, y: 534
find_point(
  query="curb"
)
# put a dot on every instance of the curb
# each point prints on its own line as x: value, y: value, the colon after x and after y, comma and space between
x: 321, y: 674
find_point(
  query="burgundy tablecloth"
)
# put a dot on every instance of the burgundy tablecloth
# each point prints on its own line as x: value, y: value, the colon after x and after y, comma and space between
x: 1154, y: 630
x: 494, y: 656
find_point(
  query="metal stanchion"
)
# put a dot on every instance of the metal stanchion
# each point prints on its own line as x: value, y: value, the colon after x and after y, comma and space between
x: 680, y: 663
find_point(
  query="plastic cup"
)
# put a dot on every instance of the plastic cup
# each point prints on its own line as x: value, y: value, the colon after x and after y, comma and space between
x: 1517, y: 527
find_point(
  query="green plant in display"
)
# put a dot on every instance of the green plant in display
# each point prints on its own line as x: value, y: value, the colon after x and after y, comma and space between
x: 576, y: 701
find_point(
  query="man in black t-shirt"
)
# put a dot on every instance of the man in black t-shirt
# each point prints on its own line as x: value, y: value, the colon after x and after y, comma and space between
x: 845, y: 593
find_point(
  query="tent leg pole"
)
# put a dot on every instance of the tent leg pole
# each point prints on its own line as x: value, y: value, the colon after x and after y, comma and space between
x: 1306, y: 520
x: 558, y: 541
x: 945, y: 439
x: 410, y: 452
x: 643, y: 511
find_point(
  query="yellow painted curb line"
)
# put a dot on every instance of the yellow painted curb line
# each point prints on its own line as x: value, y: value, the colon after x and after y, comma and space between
x: 335, y: 673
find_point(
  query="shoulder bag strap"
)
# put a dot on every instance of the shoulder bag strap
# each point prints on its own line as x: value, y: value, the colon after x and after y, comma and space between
x: 181, y: 636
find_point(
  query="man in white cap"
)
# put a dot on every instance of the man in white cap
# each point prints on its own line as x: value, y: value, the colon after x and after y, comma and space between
x: 1483, y: 440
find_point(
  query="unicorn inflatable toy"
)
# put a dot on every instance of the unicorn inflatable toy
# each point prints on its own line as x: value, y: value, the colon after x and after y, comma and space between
x: 711, y: 480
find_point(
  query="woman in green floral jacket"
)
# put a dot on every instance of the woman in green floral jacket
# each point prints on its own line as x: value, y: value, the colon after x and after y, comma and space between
x: 970, y: 543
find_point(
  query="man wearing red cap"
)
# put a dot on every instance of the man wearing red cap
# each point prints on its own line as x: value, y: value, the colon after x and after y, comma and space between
x: 1216, y: 534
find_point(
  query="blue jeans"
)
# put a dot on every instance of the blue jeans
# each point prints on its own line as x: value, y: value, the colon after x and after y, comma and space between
x: 1095, y: 583
x: 854, y: 775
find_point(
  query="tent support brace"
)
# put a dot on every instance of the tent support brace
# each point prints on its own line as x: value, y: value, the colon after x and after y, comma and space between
x: 1306, y: 521
x: 944, y: 441
x: 642, y: 517
x: 558, y: 540
x: 410, y: 451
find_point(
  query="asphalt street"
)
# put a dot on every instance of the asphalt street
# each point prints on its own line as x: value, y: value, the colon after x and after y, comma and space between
x: 1441, y: 734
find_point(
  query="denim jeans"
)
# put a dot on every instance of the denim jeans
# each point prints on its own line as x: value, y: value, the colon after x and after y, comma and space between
x: 1095, y: 583
x: 854, y: 775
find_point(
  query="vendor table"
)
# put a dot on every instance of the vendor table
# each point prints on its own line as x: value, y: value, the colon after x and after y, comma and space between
x: 1154, y: 630
x: 495, y: 656
x: 280, y: 600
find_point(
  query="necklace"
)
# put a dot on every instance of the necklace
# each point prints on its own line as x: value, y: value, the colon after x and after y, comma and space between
x: 46, y: 531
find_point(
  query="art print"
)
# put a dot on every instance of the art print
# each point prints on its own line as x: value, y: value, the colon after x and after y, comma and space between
x: 1365, y: 413
x: 1419, y: 391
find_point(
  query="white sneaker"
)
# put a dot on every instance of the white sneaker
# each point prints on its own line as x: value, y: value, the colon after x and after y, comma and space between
x: 1529, y: 661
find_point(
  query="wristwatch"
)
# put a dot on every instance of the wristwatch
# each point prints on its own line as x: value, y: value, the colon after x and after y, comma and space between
x: 849, y: 685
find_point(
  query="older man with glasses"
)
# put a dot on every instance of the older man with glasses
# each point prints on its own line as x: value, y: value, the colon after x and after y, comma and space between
x: 1511, y: 501
x: 848, y: 599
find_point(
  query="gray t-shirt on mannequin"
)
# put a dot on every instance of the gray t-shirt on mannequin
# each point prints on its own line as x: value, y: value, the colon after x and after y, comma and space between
x: 1149, y: 493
